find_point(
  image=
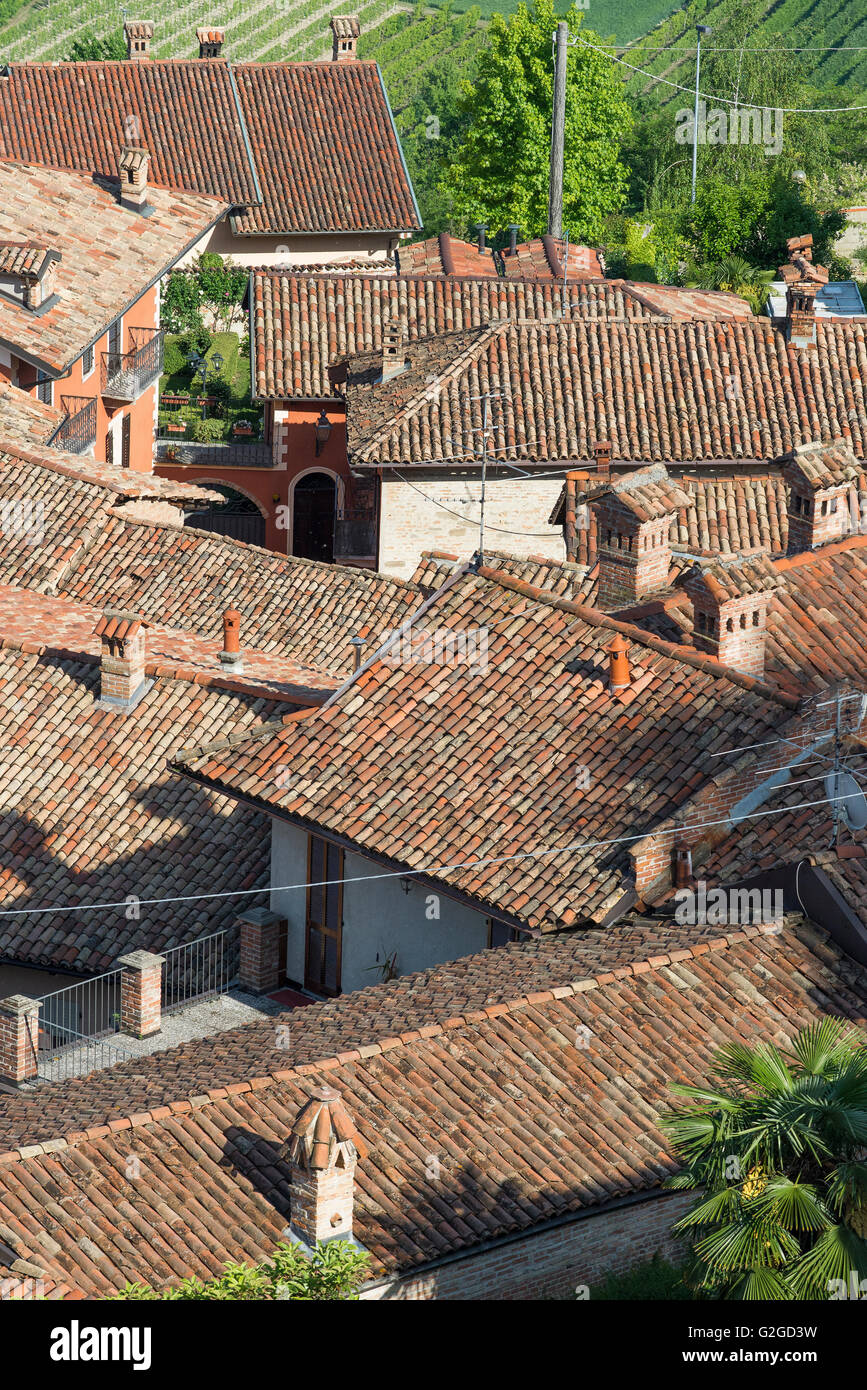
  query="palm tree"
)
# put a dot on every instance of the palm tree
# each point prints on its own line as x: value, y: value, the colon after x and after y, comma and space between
x: 778, y: 1144
x: 735, y: 275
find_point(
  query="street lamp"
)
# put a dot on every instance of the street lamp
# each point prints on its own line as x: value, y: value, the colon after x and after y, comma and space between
x: 323, y: 430
x: 198, y: 363
x: 700, y: 29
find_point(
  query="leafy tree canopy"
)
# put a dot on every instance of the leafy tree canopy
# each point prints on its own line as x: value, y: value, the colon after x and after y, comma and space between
x: 88, y: 48
x: 500, y: 172
x: 335, y: 1271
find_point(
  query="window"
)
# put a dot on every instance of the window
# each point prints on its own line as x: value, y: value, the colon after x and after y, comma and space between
x: 45, y: 388
x: 500, y: 935
x: 87, y: 362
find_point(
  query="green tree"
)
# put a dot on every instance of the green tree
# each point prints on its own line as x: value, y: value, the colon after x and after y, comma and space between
x: 222, y: 286
x: 501, y: 170
x: 335, y: 1271
x: 776, y: 1141
x: 181, y: 303
x: 88, y: 48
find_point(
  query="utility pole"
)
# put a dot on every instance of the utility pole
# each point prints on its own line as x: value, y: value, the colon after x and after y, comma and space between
x: 558, y: 128
x: 699, y: 30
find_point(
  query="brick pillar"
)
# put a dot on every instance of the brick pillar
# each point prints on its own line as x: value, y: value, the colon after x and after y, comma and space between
x: 260, y: 950
x: 140, y: 993
x: 19, y: 1038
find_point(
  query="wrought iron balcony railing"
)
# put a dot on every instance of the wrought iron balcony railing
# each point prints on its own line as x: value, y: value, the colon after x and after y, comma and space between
x: 125, y: 375
x: 78, y: 431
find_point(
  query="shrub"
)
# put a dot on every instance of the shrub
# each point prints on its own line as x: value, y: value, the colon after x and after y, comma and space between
x: 208, y: 431
x: 196, y: 340
x: 174, y: 361
x: 220, y: 388
x: 335, y: 1271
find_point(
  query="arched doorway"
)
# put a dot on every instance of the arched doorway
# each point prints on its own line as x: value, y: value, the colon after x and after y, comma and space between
x: 313, y: 507
x: 239, y: 518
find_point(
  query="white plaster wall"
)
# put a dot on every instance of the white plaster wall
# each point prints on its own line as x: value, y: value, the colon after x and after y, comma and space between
x: 299, y: 251
x: 378, y: 917
x: 443, y: 514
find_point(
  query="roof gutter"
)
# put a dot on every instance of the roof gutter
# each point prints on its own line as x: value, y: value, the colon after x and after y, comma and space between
x: 400, y: 151
x: 244, y: 132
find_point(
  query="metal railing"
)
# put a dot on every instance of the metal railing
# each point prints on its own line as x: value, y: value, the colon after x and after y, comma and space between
x: 125, y: 375
x: 196, y: 970
x: 69, y: 1054
x: 90, y: 1008
x: 78, y: 430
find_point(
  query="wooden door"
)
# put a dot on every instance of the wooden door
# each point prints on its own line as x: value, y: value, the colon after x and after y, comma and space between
x: 324, y: 945
x: 125, y: 442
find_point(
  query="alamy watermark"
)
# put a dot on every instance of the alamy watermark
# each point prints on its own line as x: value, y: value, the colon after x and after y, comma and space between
x: 745, y: 125
x: 728, y: 906
x: 442, y: 646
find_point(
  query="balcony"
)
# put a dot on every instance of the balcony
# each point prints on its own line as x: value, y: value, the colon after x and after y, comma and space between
x: 125, y: 375
x: 78, y: 431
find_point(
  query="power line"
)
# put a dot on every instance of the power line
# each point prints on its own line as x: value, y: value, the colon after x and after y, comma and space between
x: 726, y: 101
x: 474, y: 521
x: 676, y: 830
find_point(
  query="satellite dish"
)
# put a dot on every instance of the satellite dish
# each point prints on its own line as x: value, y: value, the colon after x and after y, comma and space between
x: 847, y: 798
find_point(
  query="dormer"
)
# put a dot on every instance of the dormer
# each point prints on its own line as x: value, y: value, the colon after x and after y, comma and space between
x: 819, y: 482
x: 730, y: 601
x: 633, y: 520
x: 27, y: 274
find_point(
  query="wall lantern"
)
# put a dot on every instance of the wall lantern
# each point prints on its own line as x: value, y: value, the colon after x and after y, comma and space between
x: 323, y: 430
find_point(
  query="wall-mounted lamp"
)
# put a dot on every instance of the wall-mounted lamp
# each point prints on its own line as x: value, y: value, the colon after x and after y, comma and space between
x: 323, y: 430
x: 406, y: 884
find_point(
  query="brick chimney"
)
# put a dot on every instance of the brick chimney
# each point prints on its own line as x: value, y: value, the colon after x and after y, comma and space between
x: 345, y: 31
x: 138, y: 34
x: 393, y: 356
x: 231, y: 653
x: 802, y: 279
x: 730, y: 603
x: 323, y: 1150
x: 132, y: 168
x: 122, y: 659
x: 38, y: 284
x: 602, y: 455
x: 210, y: 42
x: 633, y: 518
x: 820, y: 479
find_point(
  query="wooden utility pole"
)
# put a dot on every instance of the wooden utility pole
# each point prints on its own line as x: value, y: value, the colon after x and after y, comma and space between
x: 558, y: 126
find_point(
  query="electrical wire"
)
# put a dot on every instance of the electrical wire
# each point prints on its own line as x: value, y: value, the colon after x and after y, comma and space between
x: 675, y: 831
x: 725, y: 101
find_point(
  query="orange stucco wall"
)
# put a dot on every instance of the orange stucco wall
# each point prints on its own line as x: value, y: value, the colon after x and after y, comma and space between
x: 143, y: 314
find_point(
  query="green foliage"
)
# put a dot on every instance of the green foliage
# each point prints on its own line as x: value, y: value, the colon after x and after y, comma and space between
x: 199, y: 340
x: 736, y: 276
x: 181, y: 303
x: 174, y: 360
x: 221, y: 288
x: 655, y: 1279
x: 335, y: 1272
x: 88, y: 48
x: 208, y: 431
x: 500, y: 172
x: 754, y: 218
x: 776, y: 1143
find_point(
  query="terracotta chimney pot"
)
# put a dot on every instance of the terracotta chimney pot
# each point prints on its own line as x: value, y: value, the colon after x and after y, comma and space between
x: 619, y: 673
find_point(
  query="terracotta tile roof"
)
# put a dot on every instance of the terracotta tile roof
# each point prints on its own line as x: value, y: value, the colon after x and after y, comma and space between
x: 817, y: 626
x: 658, y: 391
x: 543, y: 258
x: 734, y: 577
x: 75, y: 115
x: 278, y: 141
x: 446, y: 255
x: 691, y: 304
x: 109, y: 255
x: 304, y: 324
x: 648, y: 493
x: 492, y: 757
x: 325, y: 149
x: 113, y: 821
x: 562, y: 577
x: 26, y: 418
x: 186, y: 578
x: 569, y: 1134
x: 824, y: 465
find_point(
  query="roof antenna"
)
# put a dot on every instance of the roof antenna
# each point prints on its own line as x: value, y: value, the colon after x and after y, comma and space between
x: 487, y: 428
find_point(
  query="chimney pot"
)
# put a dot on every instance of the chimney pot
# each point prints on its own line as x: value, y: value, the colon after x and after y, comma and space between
x: 359, y: 644
x: 682, y: 867
x: 619, y: 673
x: 231, y: 653
x: 602, y: 455
x: 132, y: 167
x: 513, y: 238
x: 323, y: 1151
x: 345, y: 32
x: 481, y: 228
x: 139, y: 35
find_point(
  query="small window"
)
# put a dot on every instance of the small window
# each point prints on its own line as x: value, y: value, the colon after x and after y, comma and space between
x: 824, y: 511
x: 832, y: 506
x: 45, y: 388
x: 500, y: 935
x: 730, y: 627
x: 743, y: 620
x: 87, y: 362
x: 756, y: 618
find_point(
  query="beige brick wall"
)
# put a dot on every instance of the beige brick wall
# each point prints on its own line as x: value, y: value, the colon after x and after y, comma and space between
x: 443, y: 514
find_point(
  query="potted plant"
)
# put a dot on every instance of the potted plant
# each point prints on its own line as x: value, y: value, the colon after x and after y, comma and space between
x: 171, y: 454
x: 242, y: 427
x: 177, y: 427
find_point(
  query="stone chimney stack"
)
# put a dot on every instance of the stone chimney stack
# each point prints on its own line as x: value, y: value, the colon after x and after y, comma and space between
x: 323, y: 1150
x: 132, y: 167
x: 730, y: 606
x: 393, y: 355
x: 345, y: 31
x: 803, y: 280
x: 139, y: 35
x: 210, y: 42
x: 822, y: 494
x: 122, y: 659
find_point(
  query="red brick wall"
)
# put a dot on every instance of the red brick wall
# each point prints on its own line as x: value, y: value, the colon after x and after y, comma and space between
x: 629, y: 574
x: 807, y: 532
x: 744, y: 647
x: 551, y: 1264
